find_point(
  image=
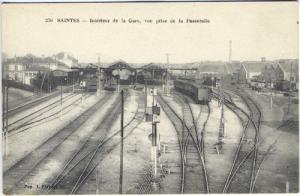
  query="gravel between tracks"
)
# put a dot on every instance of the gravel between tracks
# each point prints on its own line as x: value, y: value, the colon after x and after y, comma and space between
x: 43, y: 173
x: 134, y: 156
x: 32, y: 138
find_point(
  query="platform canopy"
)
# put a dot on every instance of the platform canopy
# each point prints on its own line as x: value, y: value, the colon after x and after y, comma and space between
x: 63, y: 72
x: 120, y: 65
x: 121, y: 70
x: 152, y: 70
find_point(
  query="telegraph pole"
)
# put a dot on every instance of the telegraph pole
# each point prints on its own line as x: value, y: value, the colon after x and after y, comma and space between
x: 122, y: 143
x: 5, y: 128
x: 99, y: 82
x: 146, y: 94
x: 118, y: 84
x: 61, y: 98
x: 167, y: 55
x: 6, y: 134
x: 3, y: 115
x: 289, y: 103
x: 222, y: 108
x: 48, y: 78
x: 118, y: 80
x: 73, y: 84
x: 221, y: 133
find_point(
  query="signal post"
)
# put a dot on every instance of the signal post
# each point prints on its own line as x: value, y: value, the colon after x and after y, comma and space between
x: 152, y: 114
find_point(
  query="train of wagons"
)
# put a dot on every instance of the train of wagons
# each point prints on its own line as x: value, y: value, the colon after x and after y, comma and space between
x: 199, y: 93
x: 89, y: 82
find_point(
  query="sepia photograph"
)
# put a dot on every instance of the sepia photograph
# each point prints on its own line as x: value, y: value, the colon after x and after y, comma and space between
x: 150, y: 98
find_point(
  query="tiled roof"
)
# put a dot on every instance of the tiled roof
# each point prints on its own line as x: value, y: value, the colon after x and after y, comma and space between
x: 218, y: 68
x: 152, y: 66
x: 30, y: 60
x: 286, y: 65
x: 120, y: 64
x: 255, y: 66
x: 37, y: 68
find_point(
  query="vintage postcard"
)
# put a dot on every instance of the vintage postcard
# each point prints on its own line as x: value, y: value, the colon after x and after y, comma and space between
x: 150, y: 98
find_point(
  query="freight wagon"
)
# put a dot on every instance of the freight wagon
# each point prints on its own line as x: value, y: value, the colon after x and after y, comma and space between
x: 201, y: 94
x: 257, y: 85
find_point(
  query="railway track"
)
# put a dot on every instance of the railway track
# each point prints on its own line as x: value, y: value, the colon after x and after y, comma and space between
x: 30, y: 118
x: 256, y: 116
x: 177, y: 122
x: 188, y: 117
x: 107, y: 145
x: 24, y: 127
x: 246, y: 155
x: 85, y: 151
x: 14, y: 175
x: 187, y: 131
x: 30, y: 104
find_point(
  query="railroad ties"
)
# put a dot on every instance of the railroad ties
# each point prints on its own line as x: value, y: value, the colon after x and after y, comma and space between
x: 193, y: 170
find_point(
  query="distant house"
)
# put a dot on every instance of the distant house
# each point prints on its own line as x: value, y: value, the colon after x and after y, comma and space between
x: 269, y: 74
x: 23, y: 73
x: 66, y: 59
x: 49, y: 63
x: 15, y: 71
x: 211, y: 69
x: 288, y: 70
x: 248, y: 70
x: 31, y: 73
x: 23, y: 69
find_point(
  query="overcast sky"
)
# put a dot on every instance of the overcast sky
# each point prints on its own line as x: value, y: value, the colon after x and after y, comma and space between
x: 256, y: 30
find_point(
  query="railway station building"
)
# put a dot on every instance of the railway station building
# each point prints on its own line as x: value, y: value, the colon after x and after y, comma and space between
x: 120, y: 71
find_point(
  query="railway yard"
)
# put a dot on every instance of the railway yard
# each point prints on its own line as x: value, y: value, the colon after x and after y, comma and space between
x: 78, y: 142
x: 151, y: 98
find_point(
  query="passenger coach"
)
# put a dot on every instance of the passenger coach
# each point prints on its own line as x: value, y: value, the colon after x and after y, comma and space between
x: 201, y: 94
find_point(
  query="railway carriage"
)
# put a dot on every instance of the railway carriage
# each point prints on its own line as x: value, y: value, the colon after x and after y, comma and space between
x: 90, y: 82
x: 200, y: 94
